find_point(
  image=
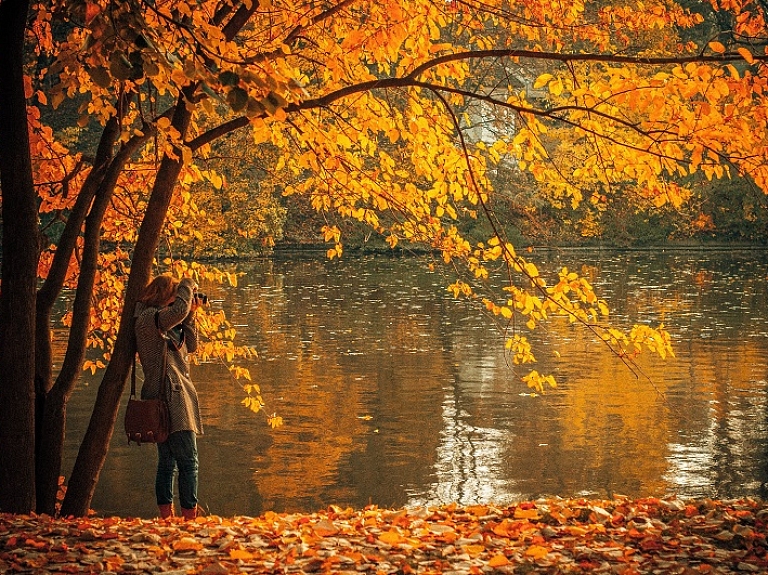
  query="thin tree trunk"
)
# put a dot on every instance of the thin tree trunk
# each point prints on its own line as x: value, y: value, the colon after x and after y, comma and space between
x: 52, y: 427
x: 47, y: 486
x: 19, y: 271
x: 53, y: 422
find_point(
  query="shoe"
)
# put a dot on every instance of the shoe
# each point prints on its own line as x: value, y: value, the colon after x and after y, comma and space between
x: 166, y: 510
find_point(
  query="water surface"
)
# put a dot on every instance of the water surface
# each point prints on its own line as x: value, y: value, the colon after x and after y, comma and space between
x: 394, y: 393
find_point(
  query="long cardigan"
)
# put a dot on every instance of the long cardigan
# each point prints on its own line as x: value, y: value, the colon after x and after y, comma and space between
x: 181, y: 394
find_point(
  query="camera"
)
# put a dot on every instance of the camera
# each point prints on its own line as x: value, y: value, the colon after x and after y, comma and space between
x: 201, y: 298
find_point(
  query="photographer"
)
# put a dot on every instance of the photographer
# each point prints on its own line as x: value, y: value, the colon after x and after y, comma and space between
x: 165, y: 334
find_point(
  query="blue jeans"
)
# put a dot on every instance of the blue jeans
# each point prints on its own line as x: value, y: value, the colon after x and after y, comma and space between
x: 180, y: 450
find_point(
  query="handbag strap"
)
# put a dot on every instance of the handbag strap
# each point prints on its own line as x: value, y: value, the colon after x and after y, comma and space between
x: 164, y: 388
x: 164, y: 373
x: 133, y: 376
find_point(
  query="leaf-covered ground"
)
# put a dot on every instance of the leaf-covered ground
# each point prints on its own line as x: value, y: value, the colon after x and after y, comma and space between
x: 545, y: 536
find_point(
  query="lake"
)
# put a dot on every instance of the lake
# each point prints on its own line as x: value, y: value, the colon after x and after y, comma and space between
x: 396, y: 394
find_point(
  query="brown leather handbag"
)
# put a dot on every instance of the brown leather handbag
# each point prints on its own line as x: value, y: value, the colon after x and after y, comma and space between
x: 147, y: 420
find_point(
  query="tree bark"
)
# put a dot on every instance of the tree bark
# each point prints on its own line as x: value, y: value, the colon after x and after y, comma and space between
x: 20, y: 247
x: 47, y: 465
x: 52, y: 422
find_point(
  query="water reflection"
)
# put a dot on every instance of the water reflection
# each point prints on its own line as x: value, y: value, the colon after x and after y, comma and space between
x: 395, y: 394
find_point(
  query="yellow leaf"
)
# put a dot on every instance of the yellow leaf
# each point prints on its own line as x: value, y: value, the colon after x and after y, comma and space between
x: 747, y: 55
x: 542, y: 80
x: 274, y: 421
x: 474, y: 550
x: 531, y: 270
x: 163, y: 123
x: 717, y: 47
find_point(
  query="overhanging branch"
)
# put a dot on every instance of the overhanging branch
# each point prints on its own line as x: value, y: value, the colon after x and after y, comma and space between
x: 411, y: 80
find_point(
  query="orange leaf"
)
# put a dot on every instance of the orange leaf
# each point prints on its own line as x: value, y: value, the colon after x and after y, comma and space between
x: 747, y: 55
x: 498, y: 561
x: 91, y: 11
x: 355, y: 556
x: 391, y: 537
x: 717, y: 47
x: 526, y: 513
x: 478, y: 510
x: 507, y: 528
x: 187, y: 544
x: 240, y: 554
x: 114, y: 561
x: 537, y: 551
x: 325, y: 528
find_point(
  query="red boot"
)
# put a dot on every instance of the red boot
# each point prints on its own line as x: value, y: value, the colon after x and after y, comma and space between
x: 166, y: 510
x: 189, y: 513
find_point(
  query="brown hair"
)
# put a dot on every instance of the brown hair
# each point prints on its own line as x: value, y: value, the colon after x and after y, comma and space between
x: 159, y: 291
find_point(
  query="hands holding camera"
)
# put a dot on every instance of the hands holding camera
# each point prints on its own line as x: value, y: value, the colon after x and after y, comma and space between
x: 198, y: 300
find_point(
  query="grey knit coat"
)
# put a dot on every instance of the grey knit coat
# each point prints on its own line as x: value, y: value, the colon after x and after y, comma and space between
x: 150, y: 343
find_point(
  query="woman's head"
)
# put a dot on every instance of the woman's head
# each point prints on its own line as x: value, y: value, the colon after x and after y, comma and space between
x: 160, y: 291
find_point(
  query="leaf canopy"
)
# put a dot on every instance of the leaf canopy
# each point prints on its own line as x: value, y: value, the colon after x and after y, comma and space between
x: 398, y: 115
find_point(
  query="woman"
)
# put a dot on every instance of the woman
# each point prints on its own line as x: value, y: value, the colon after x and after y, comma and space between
x: 165, y: 324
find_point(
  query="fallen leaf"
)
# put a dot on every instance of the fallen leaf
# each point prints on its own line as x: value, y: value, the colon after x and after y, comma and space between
x: 325, y: 528
x: 536, y: 551
x: 498, y: 560
x: 527, y: 513
x: 187, y: 544
x: 391, y: 537
x: 240, y: 554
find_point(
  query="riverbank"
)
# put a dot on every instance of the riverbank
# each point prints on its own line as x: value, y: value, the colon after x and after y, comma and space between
x: 319, y: 250
x: 544, y: 536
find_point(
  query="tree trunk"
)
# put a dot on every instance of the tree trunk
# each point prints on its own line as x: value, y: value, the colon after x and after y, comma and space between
x: 46, y: 477
x: 19, y: 272
x: 93, y: 450
x: 52, y: 423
